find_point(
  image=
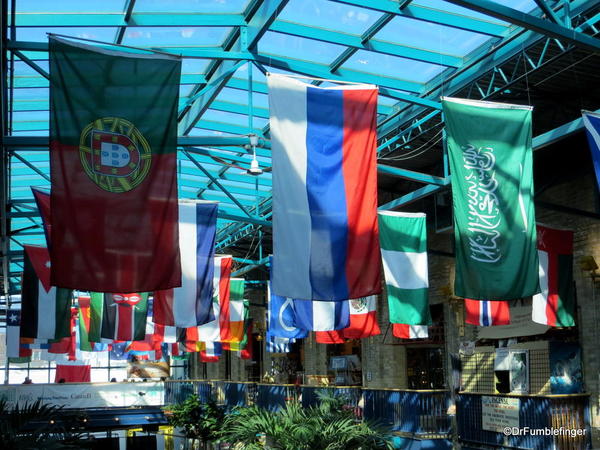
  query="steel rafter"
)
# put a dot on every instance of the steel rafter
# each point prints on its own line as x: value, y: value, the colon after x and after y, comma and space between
x: 531, y: 22
x: 364, y: 42
x: 431, y: 15
x: 484, y: 60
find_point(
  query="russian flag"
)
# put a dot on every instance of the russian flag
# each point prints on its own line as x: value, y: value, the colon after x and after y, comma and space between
x: 486, y: 313
x: 321, y: 316
x: 325, y: 235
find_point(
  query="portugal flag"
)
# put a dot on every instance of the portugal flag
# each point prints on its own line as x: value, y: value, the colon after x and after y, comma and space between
x: 113, y: 132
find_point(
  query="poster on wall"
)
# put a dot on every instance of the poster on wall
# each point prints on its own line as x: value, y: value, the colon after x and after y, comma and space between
x: 497, y: 413
x: 147, y: 369
x: 519, y: 371
x: 565, y: 368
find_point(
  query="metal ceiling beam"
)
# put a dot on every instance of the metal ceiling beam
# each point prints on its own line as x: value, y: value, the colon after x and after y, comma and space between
x: 262, y: 18
x: 224, y: 127
x: 129, y: 5
x: 209, y: 153
x: 199, y: 103
x: 137, y: 19
x: 365, y: 37
x: 531, y: 22
x: 412, y: 175
x: 32, y: 64
x: 33, y: 81
x: 484, y: 60
x: 322, y: 71
x: 359, y: 43
x: 431, y: 15
x: 248, y: 268
x: 214, y: 52
x: 547, y: 10
x: 42, y: 142
x: 538, y: 143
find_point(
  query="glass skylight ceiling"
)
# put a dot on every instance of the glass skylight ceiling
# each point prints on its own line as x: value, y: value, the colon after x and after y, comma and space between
x: 351, y: 40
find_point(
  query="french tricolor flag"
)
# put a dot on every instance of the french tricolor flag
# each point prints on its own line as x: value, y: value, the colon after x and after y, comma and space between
x: 486, y: 313
x: 190, y: 305
x: 325, y: 235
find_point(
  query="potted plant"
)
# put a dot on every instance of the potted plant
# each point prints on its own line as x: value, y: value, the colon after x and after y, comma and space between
x: 199, y: 421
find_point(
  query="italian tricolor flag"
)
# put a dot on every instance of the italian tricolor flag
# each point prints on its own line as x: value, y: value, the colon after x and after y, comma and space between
x: 234, y: 329
x: 555, y: 305
x: 403, y: 238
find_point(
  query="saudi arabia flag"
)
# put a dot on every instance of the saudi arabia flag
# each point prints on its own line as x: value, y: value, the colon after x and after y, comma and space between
x: 403, y: 238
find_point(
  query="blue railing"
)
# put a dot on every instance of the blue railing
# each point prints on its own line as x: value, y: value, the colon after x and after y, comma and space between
x: 414, y: 412
x: 273, y: 397
x: 309, y: 396
x: 178, y: 391
x: 411, y: 412
x: 535, y: 412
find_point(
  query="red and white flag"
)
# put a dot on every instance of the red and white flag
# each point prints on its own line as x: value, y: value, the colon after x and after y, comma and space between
x: 404, y: 331
x: 555, y: 304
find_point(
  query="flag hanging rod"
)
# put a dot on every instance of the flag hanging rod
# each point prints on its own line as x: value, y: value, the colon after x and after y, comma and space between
x: 112, y: 44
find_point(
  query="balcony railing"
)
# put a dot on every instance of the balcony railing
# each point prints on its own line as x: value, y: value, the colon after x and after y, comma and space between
x: 554, y: 412
x: 406, y: 411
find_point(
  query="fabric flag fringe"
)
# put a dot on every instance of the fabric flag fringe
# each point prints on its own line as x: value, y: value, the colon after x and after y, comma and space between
x: 276, y: 344
x: 324, y: 190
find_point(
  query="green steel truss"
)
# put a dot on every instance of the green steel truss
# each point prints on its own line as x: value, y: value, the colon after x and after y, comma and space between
x: 223, y: 103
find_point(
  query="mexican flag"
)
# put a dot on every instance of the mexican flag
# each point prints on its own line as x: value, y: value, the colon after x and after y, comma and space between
x: 403, y: 238
x: 113, y: 161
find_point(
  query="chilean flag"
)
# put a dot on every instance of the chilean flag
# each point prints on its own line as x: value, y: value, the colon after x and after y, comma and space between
x: 486, y: 313
x: 325, y: 235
